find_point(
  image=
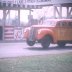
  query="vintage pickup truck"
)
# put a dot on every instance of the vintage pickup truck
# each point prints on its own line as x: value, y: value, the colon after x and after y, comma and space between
x: 55, y: 31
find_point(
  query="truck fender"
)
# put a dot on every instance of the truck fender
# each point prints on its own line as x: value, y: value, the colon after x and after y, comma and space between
x: 44, y: 32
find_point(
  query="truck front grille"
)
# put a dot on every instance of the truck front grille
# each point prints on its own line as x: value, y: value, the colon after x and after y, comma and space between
x: 32, y: 34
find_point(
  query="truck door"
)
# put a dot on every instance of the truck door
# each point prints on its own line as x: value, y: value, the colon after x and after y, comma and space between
x: 63, y: 30
x: 58, y: 33
x: 60, y: 30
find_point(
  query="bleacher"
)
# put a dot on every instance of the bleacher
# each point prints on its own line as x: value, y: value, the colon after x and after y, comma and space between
x: 25, y: 4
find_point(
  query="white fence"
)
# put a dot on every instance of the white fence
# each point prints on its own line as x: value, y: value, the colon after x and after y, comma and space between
x: 13, y: 33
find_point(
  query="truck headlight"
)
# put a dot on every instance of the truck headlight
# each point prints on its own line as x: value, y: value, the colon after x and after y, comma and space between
x: 39, y: 31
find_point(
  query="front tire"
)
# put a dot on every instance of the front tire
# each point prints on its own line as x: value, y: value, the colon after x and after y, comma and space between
x: 46, y: 42
x: 30, y: 43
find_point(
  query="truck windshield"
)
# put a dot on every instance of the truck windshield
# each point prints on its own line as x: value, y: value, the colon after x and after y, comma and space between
x: 49, y: 23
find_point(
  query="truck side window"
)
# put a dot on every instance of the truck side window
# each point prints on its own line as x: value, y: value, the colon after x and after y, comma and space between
x: 64, y: 24
x: 70, y: 24
x: 59, y: 24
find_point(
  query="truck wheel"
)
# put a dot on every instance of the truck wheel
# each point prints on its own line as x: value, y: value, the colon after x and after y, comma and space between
x: 61, y: 44
x: 30, y: 43
x: 46, y: 42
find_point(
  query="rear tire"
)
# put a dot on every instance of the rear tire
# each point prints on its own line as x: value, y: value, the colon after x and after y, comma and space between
x: 30, y: 43
x: 46, y: 42
x: 61, y: 44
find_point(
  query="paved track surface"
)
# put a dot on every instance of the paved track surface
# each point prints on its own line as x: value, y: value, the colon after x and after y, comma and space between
x: 22, y: 49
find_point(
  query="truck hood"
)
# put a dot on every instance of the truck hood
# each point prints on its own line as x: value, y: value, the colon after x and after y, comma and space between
x: 38, y: 26
x: 41, y: 26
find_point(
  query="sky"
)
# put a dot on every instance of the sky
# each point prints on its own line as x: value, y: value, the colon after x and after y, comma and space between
x: 37, y: 13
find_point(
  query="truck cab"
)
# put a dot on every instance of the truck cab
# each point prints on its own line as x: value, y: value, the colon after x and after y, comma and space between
x: 55, y: 31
